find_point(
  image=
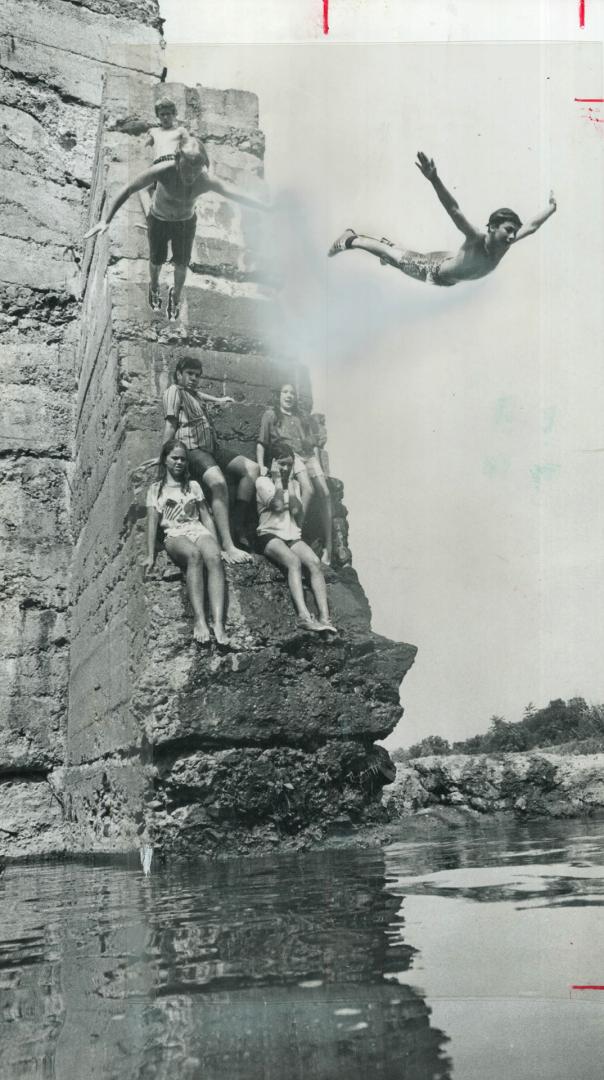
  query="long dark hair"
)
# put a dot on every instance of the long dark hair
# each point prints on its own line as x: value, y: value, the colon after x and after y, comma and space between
x: 162, y: 468
x: 297, y: 409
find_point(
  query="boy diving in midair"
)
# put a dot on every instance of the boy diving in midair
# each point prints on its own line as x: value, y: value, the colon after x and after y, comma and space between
x: 479, y: 254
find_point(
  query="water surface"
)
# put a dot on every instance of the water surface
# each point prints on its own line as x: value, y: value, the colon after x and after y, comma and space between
x: 447, y: 956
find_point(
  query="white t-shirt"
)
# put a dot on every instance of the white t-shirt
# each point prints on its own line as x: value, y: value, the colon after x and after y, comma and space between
x: 278, y: 523
x: 176, y: 507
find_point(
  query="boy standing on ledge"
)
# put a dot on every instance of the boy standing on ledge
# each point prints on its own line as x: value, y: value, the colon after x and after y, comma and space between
x: 479, y: 254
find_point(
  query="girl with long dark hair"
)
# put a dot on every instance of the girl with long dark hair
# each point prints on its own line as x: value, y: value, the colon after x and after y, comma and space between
x: 177, y: 505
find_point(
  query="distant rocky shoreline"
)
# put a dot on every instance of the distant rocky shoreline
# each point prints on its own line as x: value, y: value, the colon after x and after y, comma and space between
x: 538, y: 783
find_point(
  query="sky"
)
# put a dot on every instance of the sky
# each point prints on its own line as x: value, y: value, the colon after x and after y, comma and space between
x: 466, y: 423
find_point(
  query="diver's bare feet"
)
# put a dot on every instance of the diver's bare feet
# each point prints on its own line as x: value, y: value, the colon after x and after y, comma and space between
x: 201, y: 633
x: 342, y: 243
x: 236, y: 555
x: 326, y: 558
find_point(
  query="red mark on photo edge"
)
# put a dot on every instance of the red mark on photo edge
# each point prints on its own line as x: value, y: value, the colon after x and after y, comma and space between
x: 587, y: 987
x: 581, y: 13
x: 325, y: 16
x: 590, y: 99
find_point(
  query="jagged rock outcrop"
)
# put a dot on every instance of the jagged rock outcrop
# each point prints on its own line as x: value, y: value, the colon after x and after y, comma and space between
x: 533, y: 784
x: 115, y: 726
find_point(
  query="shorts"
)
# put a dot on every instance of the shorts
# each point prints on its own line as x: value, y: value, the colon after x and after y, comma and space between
x: 190, y: 530
x: 203, y: 458
x: 423, y: 267
x: 308, y: 462
x: 181, y: 235
x: 264, y: 539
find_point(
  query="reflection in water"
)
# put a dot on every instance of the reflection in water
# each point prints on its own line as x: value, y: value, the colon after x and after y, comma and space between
x: 266, y: 968
x: 505, y: 926
x: 446, y: 957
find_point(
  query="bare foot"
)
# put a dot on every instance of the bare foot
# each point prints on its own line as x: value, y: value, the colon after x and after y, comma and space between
x: 326, y: 626
x: 201, y: 633
x: 222, y: 638
x: 342, y: 243
x: 236, y: 555
x: 308, y: 622
x: 326, y: 558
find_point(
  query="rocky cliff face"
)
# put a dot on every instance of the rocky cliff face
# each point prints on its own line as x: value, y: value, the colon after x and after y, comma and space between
x: 169, y: 746
x: 54, y: 55
x: 529, y: 785
x: 117, y: 732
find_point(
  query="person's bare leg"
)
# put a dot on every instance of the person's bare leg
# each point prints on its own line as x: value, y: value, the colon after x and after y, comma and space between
x: 246, y: 473
x: 388, y: 252
x: 189, y: 557
x: 278, y: 552
x: 219, y: 496
x: 213, y: 565
x: 325, y: 510
x: 317, y: 582
x: 306, y: 490
x: 154, y: 271
x: 180, y: 274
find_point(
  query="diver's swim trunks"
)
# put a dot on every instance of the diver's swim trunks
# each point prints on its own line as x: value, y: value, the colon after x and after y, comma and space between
x: 423, y: 266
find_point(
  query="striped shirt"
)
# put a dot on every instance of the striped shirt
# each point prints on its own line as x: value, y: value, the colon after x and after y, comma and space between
x: 193, y: 424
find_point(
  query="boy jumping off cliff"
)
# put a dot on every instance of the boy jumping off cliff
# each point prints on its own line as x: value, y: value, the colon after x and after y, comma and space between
x: 178, y: 184
x: 479, y: 254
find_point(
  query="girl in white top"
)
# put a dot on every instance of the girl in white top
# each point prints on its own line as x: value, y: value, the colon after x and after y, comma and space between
x: 176, y: 503
x: 279, y: 538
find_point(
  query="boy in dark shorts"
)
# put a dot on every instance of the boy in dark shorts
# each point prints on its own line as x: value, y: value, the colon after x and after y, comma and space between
x: 479, y: 254
x: 279, y: 504
x: 172, y: 219
x: 187, y: 418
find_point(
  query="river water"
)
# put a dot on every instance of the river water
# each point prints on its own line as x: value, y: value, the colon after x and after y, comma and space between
x: 453, y: 954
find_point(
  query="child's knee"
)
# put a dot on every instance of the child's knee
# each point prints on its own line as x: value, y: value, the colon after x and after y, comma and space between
x: 293, y: 562
x: 213, y: 560
x: 252, y: 470
x: 218, y: 487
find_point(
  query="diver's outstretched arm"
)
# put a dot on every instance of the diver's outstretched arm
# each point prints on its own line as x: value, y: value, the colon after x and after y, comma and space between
x: 233, y: 193
x: 530, y: 227
x: 143, y: 180
x: 428, y: 169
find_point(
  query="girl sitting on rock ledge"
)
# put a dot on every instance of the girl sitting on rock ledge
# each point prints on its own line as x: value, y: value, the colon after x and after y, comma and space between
x: 176, y: 504
x: 280, y: 539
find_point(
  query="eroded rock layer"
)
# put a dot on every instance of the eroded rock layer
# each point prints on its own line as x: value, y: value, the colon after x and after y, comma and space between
x: 54, y: 55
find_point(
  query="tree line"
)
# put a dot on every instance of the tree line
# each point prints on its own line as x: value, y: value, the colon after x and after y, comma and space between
x: 559, y: 722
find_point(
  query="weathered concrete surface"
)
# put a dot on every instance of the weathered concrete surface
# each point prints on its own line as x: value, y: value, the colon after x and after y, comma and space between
x: 53, y: 55
x: 533, y: 784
